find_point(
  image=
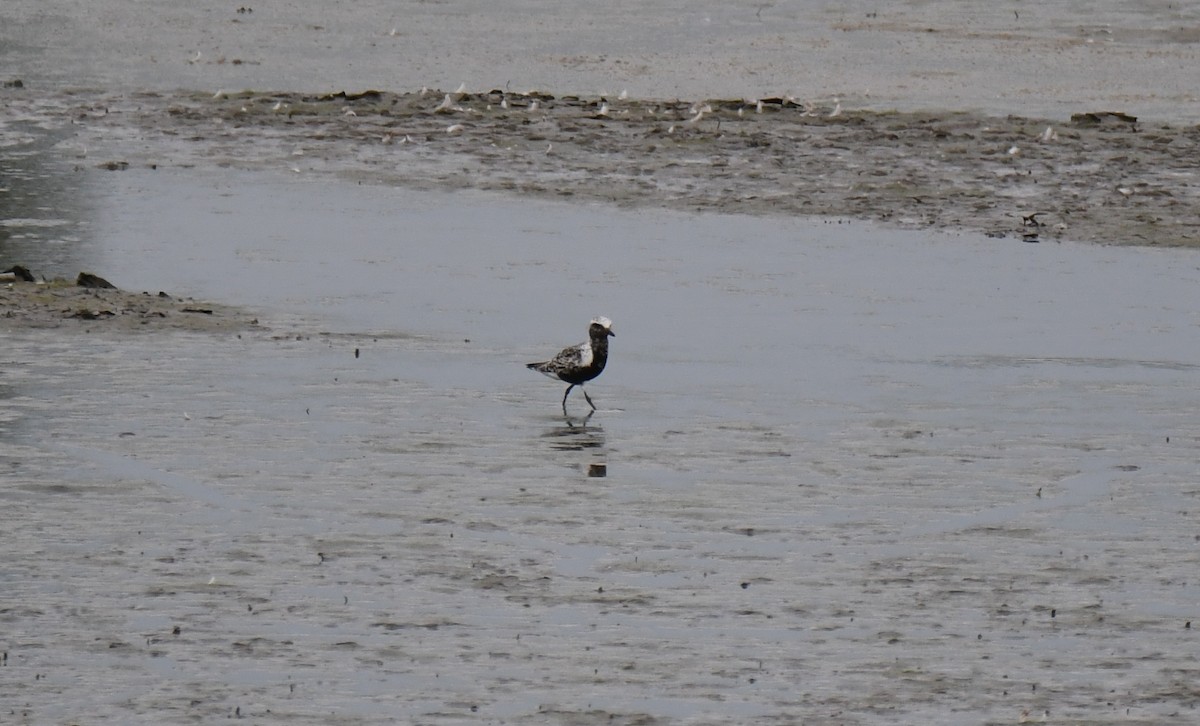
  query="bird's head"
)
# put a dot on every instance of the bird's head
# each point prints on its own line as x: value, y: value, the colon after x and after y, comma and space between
x: 601, y: 326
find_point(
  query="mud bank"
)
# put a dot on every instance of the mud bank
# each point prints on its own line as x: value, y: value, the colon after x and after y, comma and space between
x: 1103, y: 177
x: 72, y: 307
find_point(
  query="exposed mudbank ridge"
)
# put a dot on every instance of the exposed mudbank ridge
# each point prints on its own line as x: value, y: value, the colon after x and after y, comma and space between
x: 1102, y: 177
x: 93, y: 303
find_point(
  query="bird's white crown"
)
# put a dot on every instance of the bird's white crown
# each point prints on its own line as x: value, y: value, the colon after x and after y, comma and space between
x: 602, y: 322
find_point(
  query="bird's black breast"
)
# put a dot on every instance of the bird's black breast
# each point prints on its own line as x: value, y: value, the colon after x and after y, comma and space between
x: 578, y: 375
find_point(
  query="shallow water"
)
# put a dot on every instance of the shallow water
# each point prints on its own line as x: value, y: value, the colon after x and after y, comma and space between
x: 853, y: 475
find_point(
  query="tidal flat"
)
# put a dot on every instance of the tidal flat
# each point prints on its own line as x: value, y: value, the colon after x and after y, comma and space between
x: 898, y: 427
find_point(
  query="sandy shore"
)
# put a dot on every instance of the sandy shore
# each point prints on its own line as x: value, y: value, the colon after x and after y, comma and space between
x: 1103, y: 177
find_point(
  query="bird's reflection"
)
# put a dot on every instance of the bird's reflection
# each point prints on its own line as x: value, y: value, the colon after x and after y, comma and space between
x: 581, y: 423
x: 578, y: 444
x: 575, y: 434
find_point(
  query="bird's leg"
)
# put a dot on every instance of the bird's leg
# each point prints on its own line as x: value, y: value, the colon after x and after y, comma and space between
x: 589, y: 399
x: 565, y: 398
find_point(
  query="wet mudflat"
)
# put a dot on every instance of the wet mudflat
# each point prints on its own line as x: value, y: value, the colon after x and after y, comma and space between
x: 1098, y: 177
x: 1052, y: 61
x: 955, y: 483
x: 854, y: 474
x: 74, y: 309
x: 1005, y: 121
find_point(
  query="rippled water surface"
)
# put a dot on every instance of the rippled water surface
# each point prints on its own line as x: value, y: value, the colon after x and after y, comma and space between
x: 853, y: 476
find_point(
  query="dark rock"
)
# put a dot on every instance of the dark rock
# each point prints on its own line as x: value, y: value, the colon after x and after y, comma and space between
x: 87, y: 279
x: 22, y: 273
x: 93, y: 314
x: 1102, y: 118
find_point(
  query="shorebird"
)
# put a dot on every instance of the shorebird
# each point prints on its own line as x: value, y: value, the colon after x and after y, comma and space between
x: 579, y: 363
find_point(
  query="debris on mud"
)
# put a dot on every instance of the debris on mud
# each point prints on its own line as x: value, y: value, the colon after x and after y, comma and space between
x: 1099, y: 177
x: 27, y: 302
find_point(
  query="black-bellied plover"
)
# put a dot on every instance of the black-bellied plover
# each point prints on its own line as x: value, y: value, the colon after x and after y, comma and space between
x: 579, y: 363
